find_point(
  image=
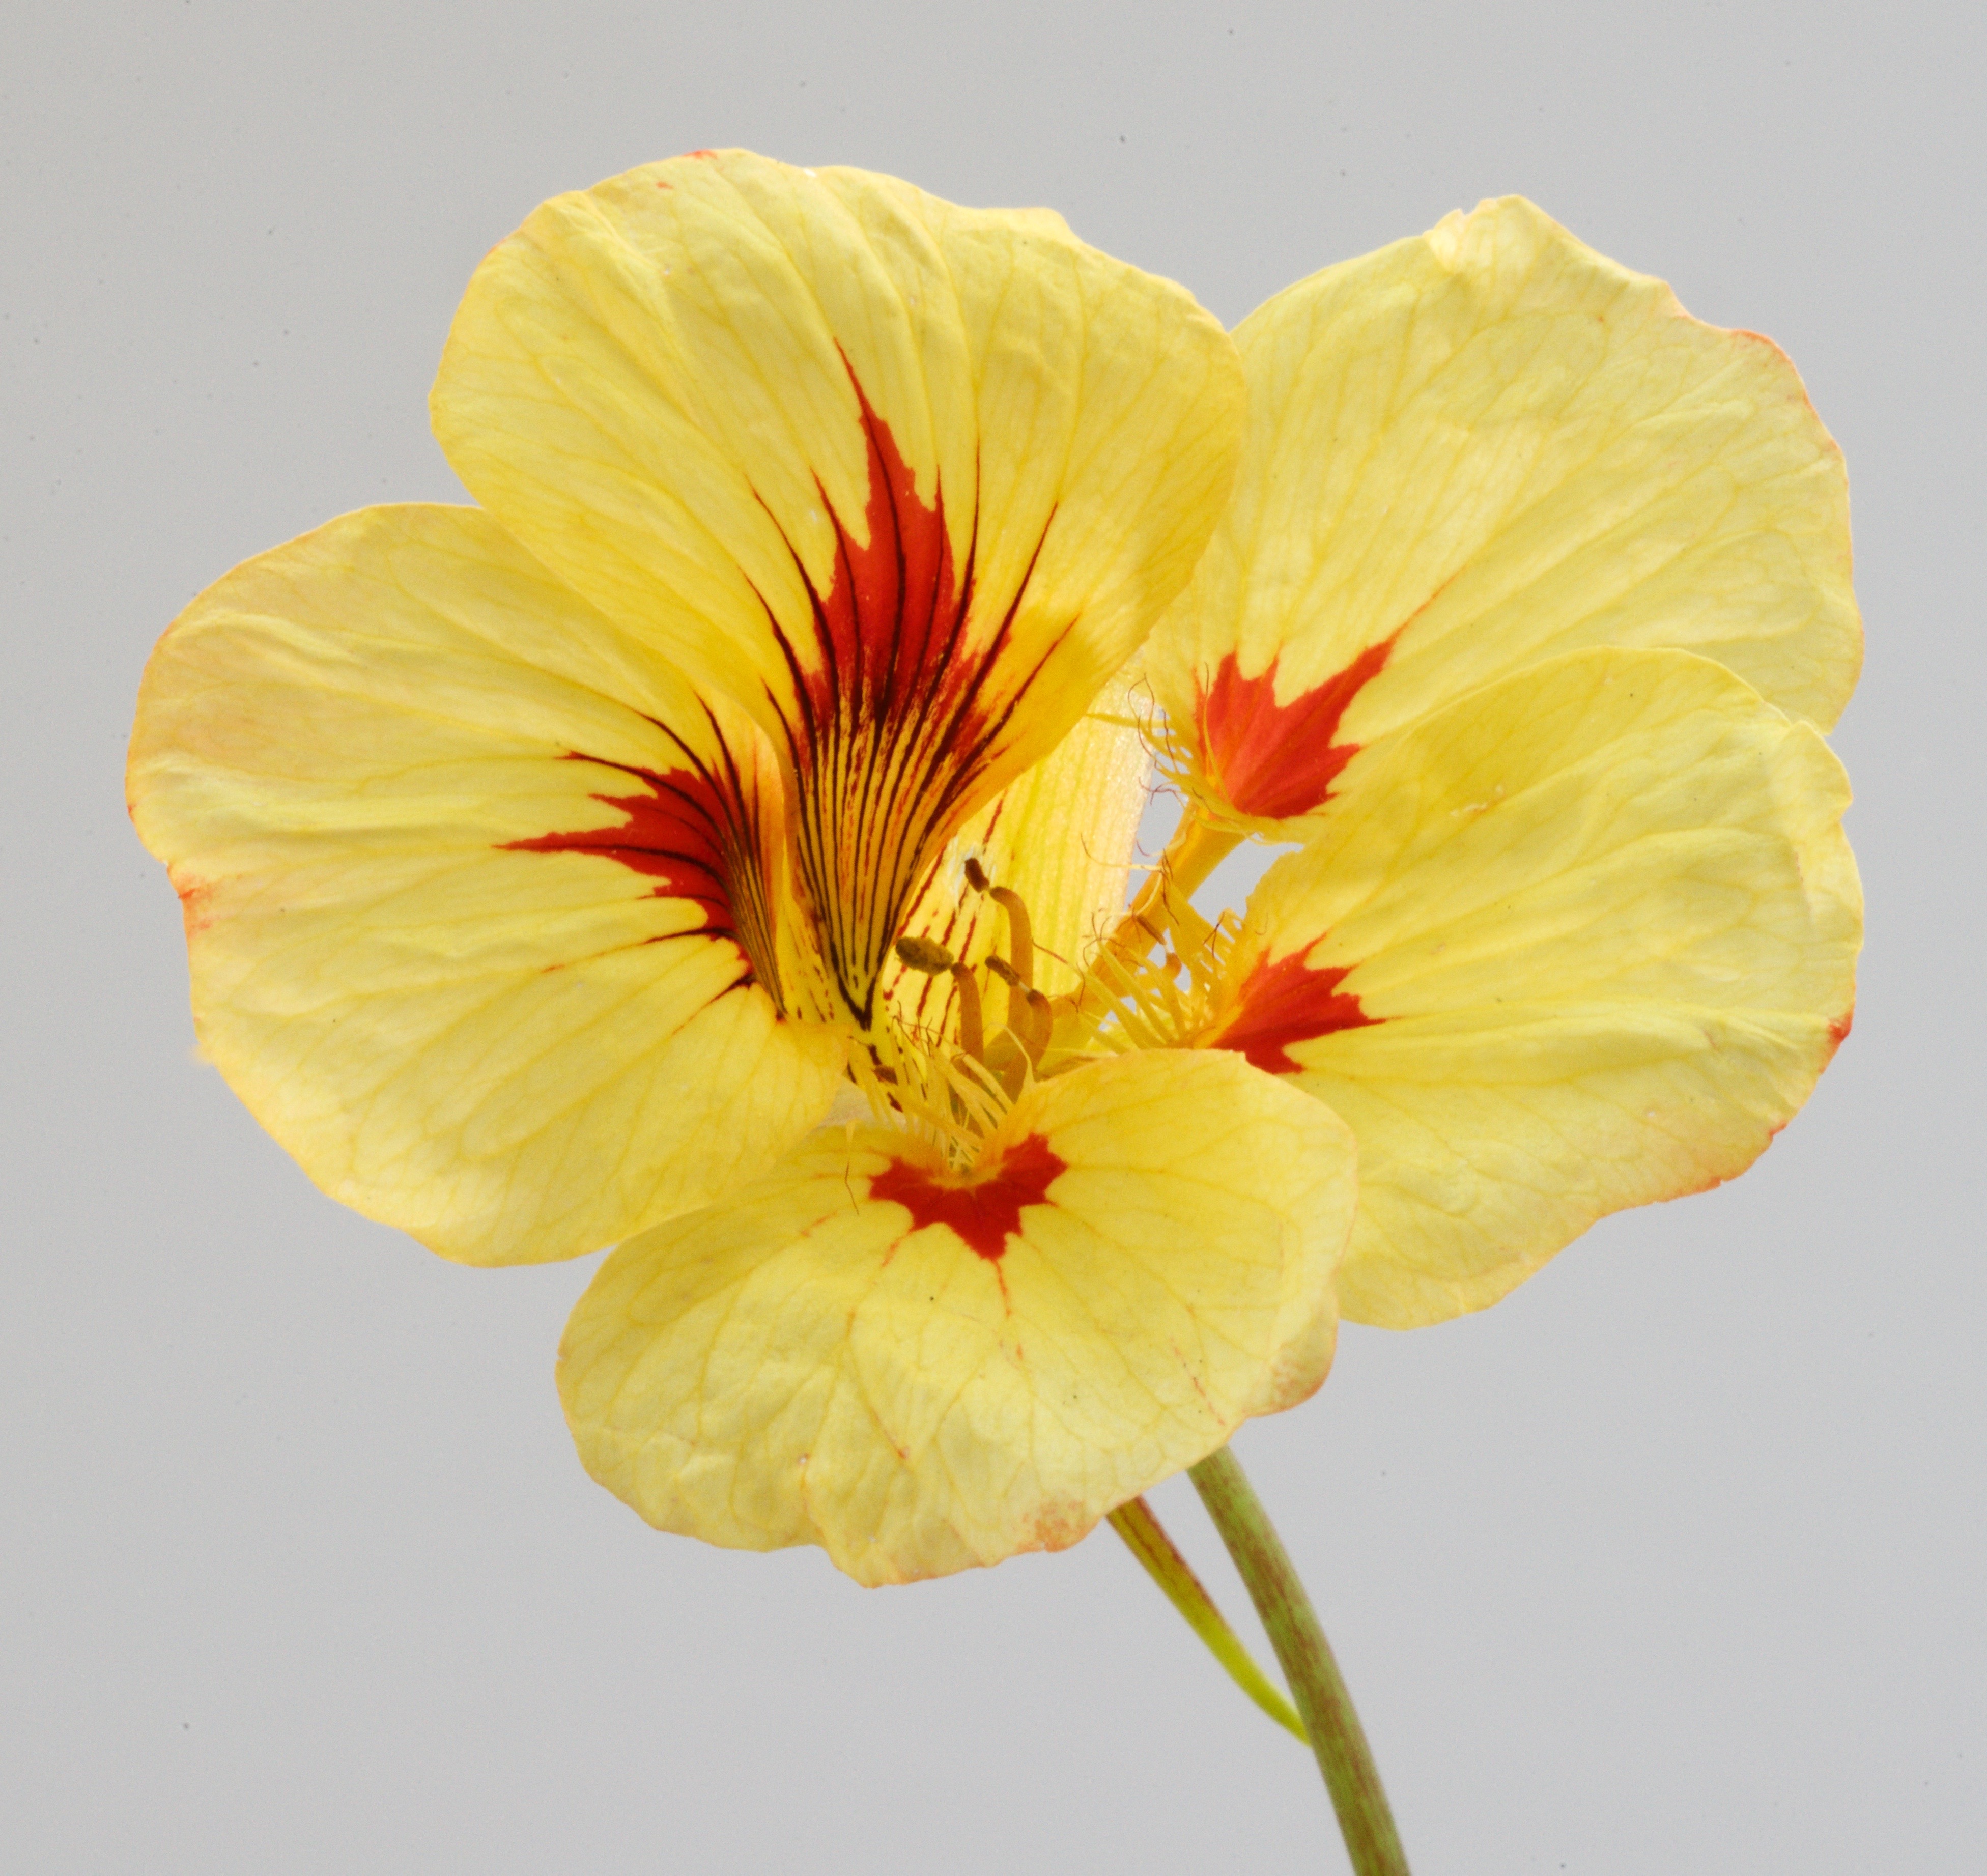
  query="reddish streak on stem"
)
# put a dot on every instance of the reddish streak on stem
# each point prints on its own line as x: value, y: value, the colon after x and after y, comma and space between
x: 985, y: 1210
x: 674, y: 833
x: 1279, y: 759
x: 1289, y: 1002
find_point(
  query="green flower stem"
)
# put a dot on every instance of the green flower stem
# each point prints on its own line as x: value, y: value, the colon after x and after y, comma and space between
x: 1146, y: 1538
x: 1336, y: 1735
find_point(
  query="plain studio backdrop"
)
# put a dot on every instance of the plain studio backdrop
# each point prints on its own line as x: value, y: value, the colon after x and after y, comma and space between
x: 1672, y: 1561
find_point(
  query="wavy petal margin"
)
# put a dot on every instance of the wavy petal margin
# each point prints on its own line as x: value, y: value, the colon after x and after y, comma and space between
x: 1584, y: 939
x: 474, y: 900
x: 908, y: 481
x: 1477, y: 449
x: 922, y: 1372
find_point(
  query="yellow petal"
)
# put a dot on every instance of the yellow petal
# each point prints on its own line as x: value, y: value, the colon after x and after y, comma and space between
x: 1582, y: 941
x: 922, y: 1370
x: 1062, y: 837
x: 909, y: 481
x: 473, y: 907
x: 1478, y: 448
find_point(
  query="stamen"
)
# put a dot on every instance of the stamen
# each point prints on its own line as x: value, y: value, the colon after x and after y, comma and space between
x: 1002, y: 1063
x: 1030, y: 1016
x: 1021, y: 936
x: 1007, y: 1061
x: 1131, y: 1003
x: 1041, y: 1021
x: 953, y: 1104
x: 972, y: 1031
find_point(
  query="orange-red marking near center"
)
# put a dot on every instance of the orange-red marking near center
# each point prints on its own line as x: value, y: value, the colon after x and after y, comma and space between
x: 1277, y: 760
x: 1288, y: 1002
x: 675, y: 832
x: 985, y: 1212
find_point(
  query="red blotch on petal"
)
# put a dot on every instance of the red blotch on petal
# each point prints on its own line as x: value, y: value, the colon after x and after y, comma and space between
x: 983, y: 1209
x: 1839, y: 1030
x: 1277, y: 760
x: 889, y: 625
x: 896, y: 721
x: 692, y: 834
x: 1288, y: 1002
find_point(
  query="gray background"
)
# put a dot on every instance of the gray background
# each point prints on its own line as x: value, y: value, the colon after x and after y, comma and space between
x: 1672, y: 1562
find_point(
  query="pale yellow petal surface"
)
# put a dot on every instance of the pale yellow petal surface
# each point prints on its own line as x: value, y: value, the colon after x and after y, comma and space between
x: 389, y: 765
x: 1482, y: 446
x: 909, y: 481
x: 1582, y: 941
x: 1062, y: 836
x: 825, y: 1359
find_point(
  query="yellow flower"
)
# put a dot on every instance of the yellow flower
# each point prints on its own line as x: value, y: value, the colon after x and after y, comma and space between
x: 1531, y: 602
x: 543, y: 862
x: 628, y: 858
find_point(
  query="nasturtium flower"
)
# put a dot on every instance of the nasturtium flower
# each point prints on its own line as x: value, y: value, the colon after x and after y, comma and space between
x: 714, y: 842
x: 545, y: 863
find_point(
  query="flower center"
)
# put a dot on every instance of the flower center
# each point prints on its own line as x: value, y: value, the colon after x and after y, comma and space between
x: 956, y: 1089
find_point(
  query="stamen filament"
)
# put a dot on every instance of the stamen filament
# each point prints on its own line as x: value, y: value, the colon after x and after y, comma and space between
x: 1021, y: 936
x: 1041, y: 1021
x: 972, y: 1031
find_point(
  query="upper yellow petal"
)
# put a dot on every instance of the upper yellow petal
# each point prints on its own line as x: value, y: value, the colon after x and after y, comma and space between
x: 1582, y: 940
x: 1481, y: 448
x: 909, y: 481
x: 921, y: 1371
x: 474, y: 902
